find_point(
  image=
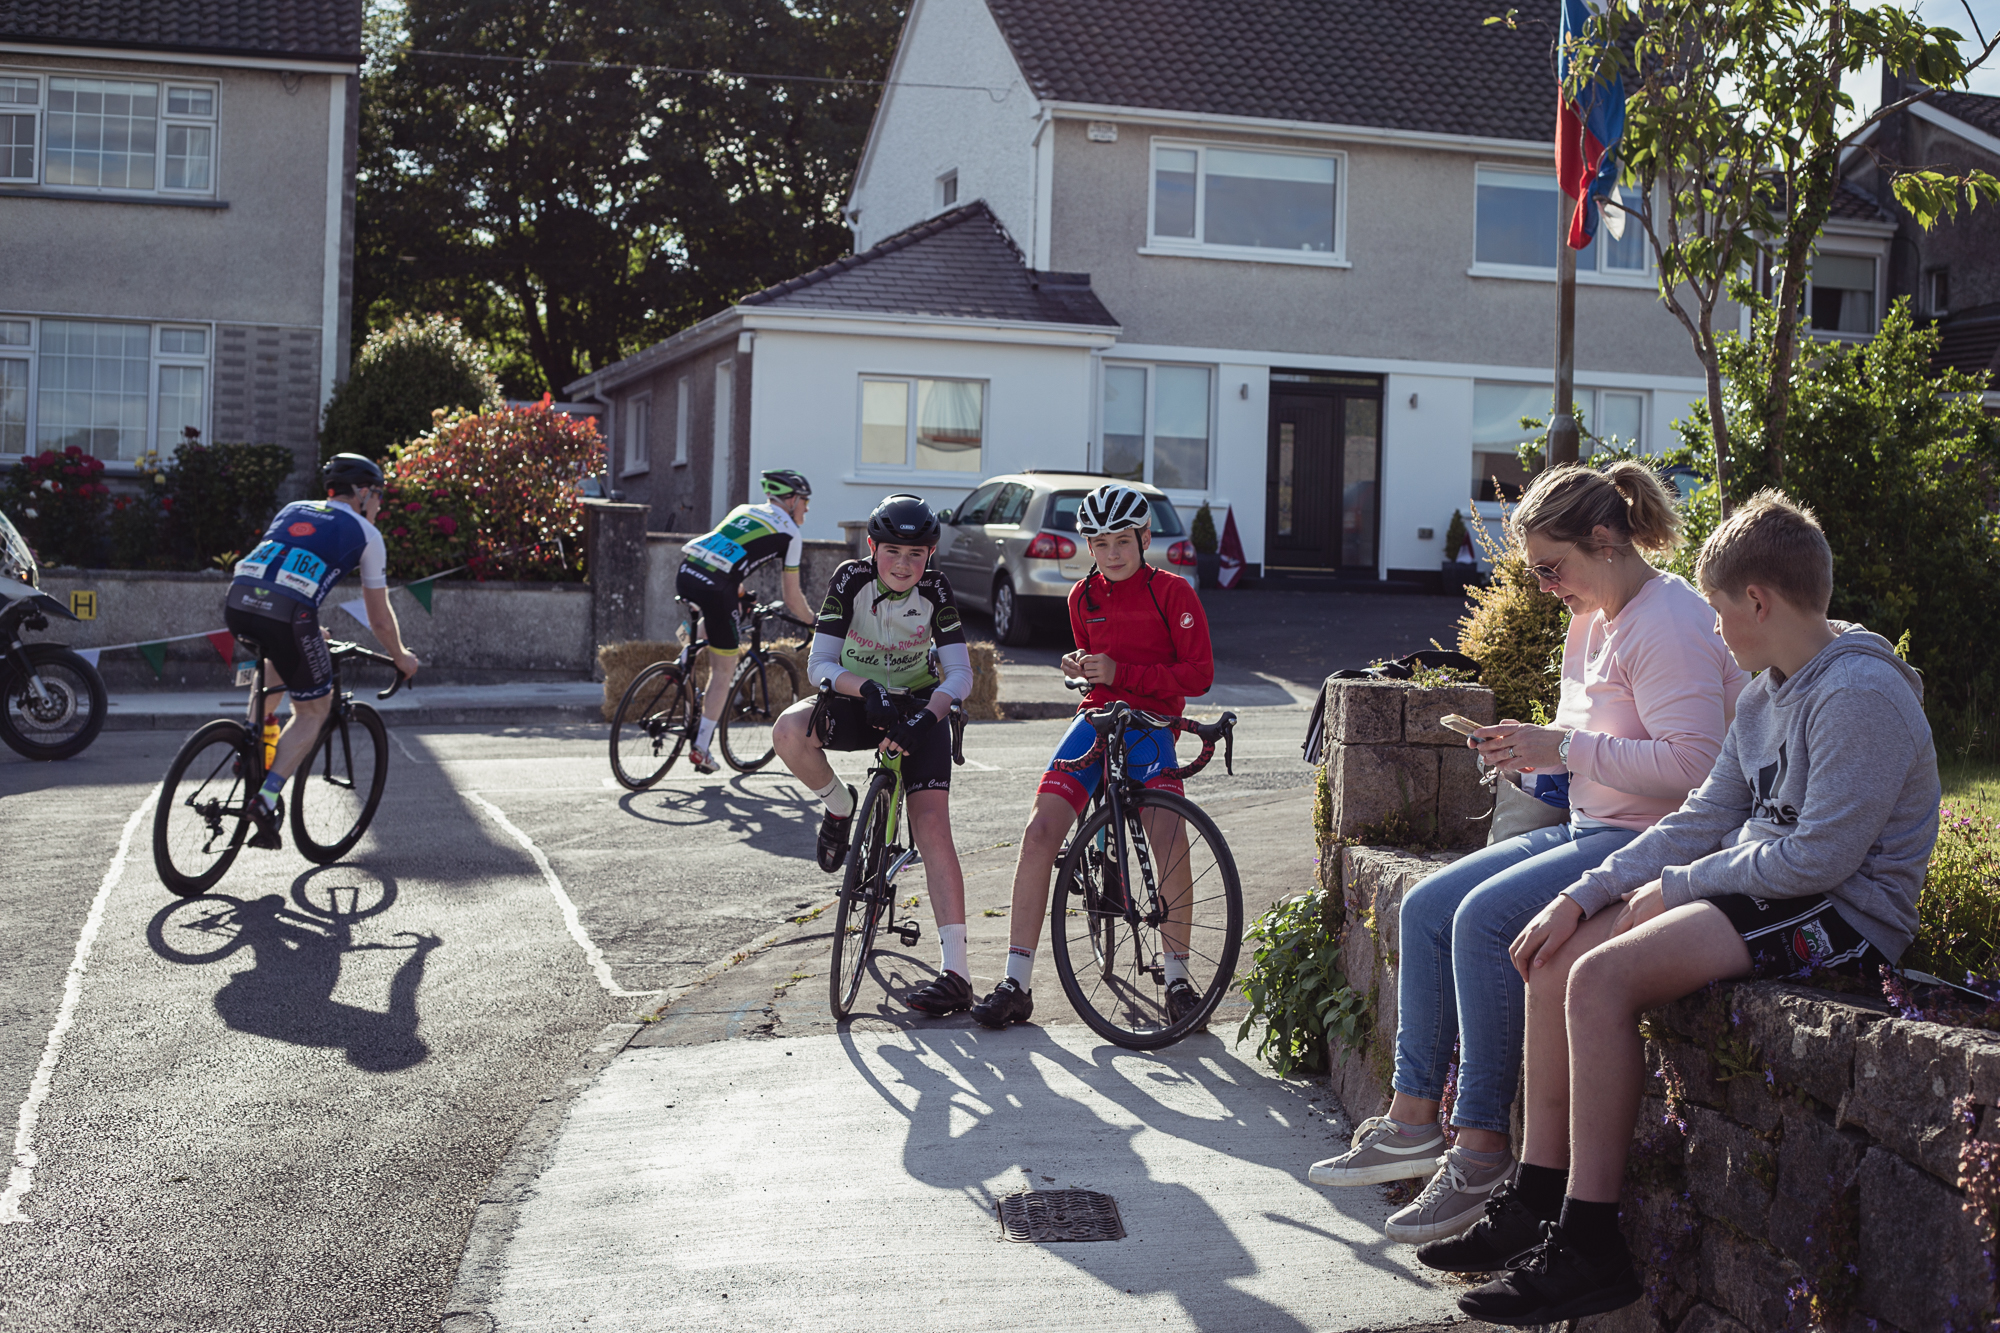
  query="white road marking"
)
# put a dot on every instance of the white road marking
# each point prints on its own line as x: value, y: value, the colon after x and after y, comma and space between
x: 21, y: 1178
x: 591, y: 953
x: 397, y: 737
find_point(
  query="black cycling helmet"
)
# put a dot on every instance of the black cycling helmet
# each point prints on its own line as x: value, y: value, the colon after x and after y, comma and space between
x: 348, y: 472
x: 905, y: 520
x: 782, y: 481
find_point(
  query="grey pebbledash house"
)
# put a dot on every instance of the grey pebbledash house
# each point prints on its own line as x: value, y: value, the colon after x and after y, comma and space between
x: 177, y: 198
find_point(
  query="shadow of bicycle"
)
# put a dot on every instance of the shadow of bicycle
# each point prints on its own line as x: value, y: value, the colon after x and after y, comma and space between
x: 297, y: 949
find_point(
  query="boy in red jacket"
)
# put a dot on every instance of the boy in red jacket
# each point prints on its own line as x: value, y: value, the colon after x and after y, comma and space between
x: 1141, y: 637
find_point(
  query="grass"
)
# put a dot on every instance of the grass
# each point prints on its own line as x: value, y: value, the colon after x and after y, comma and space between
x: 1971, y: 786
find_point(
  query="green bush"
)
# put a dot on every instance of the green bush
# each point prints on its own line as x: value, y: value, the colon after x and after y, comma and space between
x: 1958, y: 911
x: 1514, y: 631
x: 1296, y: 988
x: 217, y: 499
x: 58, y: 500
x: 418, y: 366
x: 1201, y: 533
x: 1456, y: 536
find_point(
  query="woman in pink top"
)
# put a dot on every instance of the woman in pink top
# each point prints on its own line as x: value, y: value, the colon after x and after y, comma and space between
x: 1648, y: 690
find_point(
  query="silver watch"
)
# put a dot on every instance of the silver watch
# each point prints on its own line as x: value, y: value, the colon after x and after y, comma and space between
x: 1562, y: 747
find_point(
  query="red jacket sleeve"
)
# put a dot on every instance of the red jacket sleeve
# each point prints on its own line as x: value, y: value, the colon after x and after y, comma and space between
x: 1077, y: 632
x: 1193, y: 669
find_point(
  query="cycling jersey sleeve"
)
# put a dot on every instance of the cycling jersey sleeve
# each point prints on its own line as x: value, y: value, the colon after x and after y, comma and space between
x: 836, y: 617
x: 956, y: 660
x: 948, y: 633
x: 374, y: 558
x: 795, y: 554
x: 1193, y: 669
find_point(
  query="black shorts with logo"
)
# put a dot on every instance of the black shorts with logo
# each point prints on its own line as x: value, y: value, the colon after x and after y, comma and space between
x: 288, y: 632
x: 841, y: 723
x: 716, y: 595
x: 1789, y: 937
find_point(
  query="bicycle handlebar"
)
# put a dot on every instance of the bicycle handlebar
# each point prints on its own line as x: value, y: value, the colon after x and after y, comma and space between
x: 955, y: 718
x: 343, y: 650
x: 1114, y: 719
x: 777, y: 611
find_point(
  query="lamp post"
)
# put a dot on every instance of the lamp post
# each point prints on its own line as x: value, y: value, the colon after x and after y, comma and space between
x: 1562, y: 425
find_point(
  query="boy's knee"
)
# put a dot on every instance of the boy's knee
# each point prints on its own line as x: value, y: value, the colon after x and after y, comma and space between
x: 1593, y: 980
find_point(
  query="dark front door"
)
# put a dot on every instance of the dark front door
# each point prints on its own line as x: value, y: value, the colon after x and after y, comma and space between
x: 1325, y: 461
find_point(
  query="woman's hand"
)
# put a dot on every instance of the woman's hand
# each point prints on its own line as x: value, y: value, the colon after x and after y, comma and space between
x: 1641, y: 905
x: 1548, y: 932
x: 1518, y: 747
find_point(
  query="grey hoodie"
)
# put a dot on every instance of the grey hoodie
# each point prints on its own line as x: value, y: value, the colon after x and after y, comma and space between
x: 1827, y: 783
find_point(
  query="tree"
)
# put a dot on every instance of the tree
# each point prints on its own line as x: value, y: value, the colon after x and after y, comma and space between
x: 573, y: 181
x: 1736, y: 123
x: 404, y: 373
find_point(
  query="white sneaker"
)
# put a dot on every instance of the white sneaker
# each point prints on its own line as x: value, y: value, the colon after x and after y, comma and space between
x: 701, y: 759
x: 1380, y: 1153
x: 1453, y: 1201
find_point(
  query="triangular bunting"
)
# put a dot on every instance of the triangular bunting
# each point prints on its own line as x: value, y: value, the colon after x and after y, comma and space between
x: 89, y: 654
x: 224, y: 643
x: 155, y: 655
x: 421, y: 590
x: 356, y: 608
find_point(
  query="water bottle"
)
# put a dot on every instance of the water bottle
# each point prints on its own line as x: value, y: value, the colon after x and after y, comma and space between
x: 271, y: 730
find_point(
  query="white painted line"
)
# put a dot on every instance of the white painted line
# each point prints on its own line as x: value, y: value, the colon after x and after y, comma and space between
x: 397, y: 737
x: 976, y: 766
x: 591, y: 953
x: 21, y: 1178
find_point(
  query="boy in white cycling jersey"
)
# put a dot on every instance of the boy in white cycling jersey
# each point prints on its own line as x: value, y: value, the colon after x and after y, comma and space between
x: 873, y: 640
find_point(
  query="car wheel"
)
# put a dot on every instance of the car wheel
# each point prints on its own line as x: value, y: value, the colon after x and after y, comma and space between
x: 1010, y: 619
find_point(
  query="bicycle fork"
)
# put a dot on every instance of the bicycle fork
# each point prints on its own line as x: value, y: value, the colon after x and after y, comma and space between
x: 1136, y: 839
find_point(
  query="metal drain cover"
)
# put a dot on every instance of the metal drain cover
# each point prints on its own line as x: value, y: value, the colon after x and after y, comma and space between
x: 1041, y: 1215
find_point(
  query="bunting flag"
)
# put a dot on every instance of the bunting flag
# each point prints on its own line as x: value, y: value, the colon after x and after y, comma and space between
x: 155, y: 655
x: 356, y: 608
x: 89, y: 655
x: 1231, y: 550
x: 421, y: 590
x: 224, y: 644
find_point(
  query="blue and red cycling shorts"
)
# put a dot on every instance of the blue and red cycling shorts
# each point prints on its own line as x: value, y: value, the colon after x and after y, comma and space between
x: 1149, y: 752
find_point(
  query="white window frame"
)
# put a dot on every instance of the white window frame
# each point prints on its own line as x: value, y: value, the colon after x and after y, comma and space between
x: 35, y: 112
x: 1876, y: 256
x: 908, y: 470
x: 157, y: 360
x: 681, y: 422
x: 635, y: 428
x: 162, y: 120
x: 1177, y: 493
x: 1591, y: 400
x: 947, y: 189
x: 1183, y: 247
x: 1595, y: 275
x: 1933, y: 278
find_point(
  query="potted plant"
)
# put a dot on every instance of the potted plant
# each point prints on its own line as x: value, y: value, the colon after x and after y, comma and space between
x: 1201, y: 535
x: 1459, y: 567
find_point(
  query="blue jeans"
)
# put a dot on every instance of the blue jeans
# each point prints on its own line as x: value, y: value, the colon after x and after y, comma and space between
x: 1456, y: 979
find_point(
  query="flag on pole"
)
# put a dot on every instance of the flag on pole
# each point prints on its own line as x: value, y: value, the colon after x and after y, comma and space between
x: 1590, y: 120
x: 1230, y: 548
x: 155, y: 655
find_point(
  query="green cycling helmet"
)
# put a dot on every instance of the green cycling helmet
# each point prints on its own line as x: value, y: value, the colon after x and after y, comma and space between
x: 781, y: 482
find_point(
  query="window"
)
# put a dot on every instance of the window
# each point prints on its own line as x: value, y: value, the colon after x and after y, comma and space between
x: 114, y: 390
x: 1061, y: 516
x: 1241, y: 199
x: 1156, y: 425
x: 1010, y: 504
x: 108, y: 134
x: 681, y: 423
x: 1517, y: 221
x: 1497, y: 410
x: 1842, y: 298
x: 948, y: 189
x: 638, y: 422
x: 925, y: 425
x: 976, y: 505
x: 1940, y: 293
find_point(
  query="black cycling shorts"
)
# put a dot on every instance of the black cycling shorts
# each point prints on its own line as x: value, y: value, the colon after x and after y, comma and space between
x: 292, y: 640
x: 717, y: 598
x: 1790, y: 937
x: 841, y: 723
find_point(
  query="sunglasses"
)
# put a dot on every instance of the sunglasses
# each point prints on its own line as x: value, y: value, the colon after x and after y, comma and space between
x: 1551, y: 573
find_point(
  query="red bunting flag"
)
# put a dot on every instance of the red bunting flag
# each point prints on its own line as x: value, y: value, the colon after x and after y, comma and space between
x: 224, y: 644
x: 1231, y: 550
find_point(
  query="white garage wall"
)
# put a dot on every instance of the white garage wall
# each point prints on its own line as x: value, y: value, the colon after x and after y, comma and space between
x: 1426, y: 465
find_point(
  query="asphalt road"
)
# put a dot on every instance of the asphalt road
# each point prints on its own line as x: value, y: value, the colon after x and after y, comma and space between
x: 277, y: 1107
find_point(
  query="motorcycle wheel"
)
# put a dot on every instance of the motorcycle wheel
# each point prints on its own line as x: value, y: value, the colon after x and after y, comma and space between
x: 67, y: 720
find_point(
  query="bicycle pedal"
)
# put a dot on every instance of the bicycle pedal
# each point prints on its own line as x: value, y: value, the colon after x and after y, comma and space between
x: 911, y: 933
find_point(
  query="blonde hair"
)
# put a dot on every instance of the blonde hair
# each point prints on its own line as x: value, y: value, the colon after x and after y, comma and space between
x: 1569, y: 502
x: 1775, y: 542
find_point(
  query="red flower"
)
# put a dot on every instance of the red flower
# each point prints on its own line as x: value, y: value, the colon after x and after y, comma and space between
x: 400, y: 532
x: 445, y: 524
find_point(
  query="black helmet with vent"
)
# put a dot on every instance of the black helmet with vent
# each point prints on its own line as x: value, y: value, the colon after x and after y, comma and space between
x: 904, y: 520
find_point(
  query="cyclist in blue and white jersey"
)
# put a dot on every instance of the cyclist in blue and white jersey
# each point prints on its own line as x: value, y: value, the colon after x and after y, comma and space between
x: 275, y: 598
x: 713, y: 567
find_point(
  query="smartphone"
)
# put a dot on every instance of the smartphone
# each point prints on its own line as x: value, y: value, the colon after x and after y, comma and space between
x: 1465, y: 726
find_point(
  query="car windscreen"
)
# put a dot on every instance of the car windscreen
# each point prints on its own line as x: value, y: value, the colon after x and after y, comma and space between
x: 1062, y: 514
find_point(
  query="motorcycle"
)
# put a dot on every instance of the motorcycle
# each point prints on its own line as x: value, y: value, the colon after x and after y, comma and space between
x: 52, y: 701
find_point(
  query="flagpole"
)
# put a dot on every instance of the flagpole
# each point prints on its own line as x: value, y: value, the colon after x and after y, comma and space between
x: 1562, y: 426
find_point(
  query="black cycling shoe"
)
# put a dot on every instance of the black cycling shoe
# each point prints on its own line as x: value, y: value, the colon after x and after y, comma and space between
x: 1555, y: 1282
x: 268, y: 819
x: 1007, y: 1004
x: 1507, y: 1230
x: 946, y: 993
x: 1181, y: 1000
x: 834, y: 830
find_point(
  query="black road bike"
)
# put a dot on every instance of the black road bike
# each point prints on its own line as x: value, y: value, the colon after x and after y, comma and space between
x: 660, y: 714
x: 204, y: 810
x: 1145, y: 873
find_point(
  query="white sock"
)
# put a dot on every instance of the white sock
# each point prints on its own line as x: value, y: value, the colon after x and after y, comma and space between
x: 1177, y: 969
x: 840, y: 804
x: 1021, y: 967
x: 705, y: 735
x: 951, y: 943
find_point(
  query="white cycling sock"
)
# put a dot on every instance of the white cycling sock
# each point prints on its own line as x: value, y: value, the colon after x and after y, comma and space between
x: 1021, y: 967
x: 705, y: 735
x: 839, y: 801
x: 951, y: 943
x: 1177, y: 969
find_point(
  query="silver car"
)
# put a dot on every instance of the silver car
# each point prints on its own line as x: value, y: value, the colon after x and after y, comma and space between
x: 1011, y: 548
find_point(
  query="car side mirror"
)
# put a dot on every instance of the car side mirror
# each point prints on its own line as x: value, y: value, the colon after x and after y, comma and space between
x: 944, y: 516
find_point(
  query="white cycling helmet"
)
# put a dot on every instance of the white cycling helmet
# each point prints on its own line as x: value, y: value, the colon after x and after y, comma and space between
x: 1110, y: 508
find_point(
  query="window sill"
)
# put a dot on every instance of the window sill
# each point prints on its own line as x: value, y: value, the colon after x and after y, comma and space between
x: 159, y: 200
x: 1524, y: 273
x: 1248, y: 255
x: 680, y: 462
x: 638, y: 471
x: 907, y: 476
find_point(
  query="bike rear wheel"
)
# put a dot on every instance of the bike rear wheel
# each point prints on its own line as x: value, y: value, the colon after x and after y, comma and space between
x: 650, y: 727
x: 336, y: 791
x: 864, y: 895
x: 1191, y: 891
x: 199, y: 824
x: 768, y: 686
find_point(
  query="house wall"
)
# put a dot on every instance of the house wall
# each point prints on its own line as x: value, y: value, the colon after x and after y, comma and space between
x: 922, y: 132
x: 1968, y: 244
x: 681, y: 496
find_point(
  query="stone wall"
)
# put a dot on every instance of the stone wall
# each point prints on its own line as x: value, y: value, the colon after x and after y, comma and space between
x: 1390, y: 764
x: 663, y: 562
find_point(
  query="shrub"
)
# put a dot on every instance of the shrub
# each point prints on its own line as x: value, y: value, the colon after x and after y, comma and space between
x: 58, y: 500
x: 495, y: 491
x: 1201, y: 533
x: 1958, y: 911
x: 1296, y: 988
x: 218, y: 498
x: 419, y: 365
x: 1456, y: 536
x: 1514, y: 631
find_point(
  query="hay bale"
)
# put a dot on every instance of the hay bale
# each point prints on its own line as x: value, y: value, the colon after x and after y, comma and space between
x: 984, y: 704
x: 622, y: 661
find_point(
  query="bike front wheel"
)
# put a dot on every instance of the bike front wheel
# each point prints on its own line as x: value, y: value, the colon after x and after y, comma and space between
x: 766, y: 687
x: 64, y: 716
x: 204, y: 807
x: 864, y: 896
x: 650, y: 727
x: 1112, y: 936
x: 336, y: 791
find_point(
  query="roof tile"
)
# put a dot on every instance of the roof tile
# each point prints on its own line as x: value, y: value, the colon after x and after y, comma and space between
x: 305, y: 29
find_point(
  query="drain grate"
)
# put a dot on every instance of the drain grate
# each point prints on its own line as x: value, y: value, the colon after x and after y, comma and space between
x: 1040, y: 1215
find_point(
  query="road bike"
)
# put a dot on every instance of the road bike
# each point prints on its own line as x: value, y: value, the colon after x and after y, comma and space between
x: 1145, y: 873
x: 875, y: 857
x: 204, y: 810
x: 660, y: 713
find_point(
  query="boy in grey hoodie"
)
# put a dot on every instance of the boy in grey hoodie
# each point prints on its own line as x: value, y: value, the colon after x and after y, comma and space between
x: 1805, y: 848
